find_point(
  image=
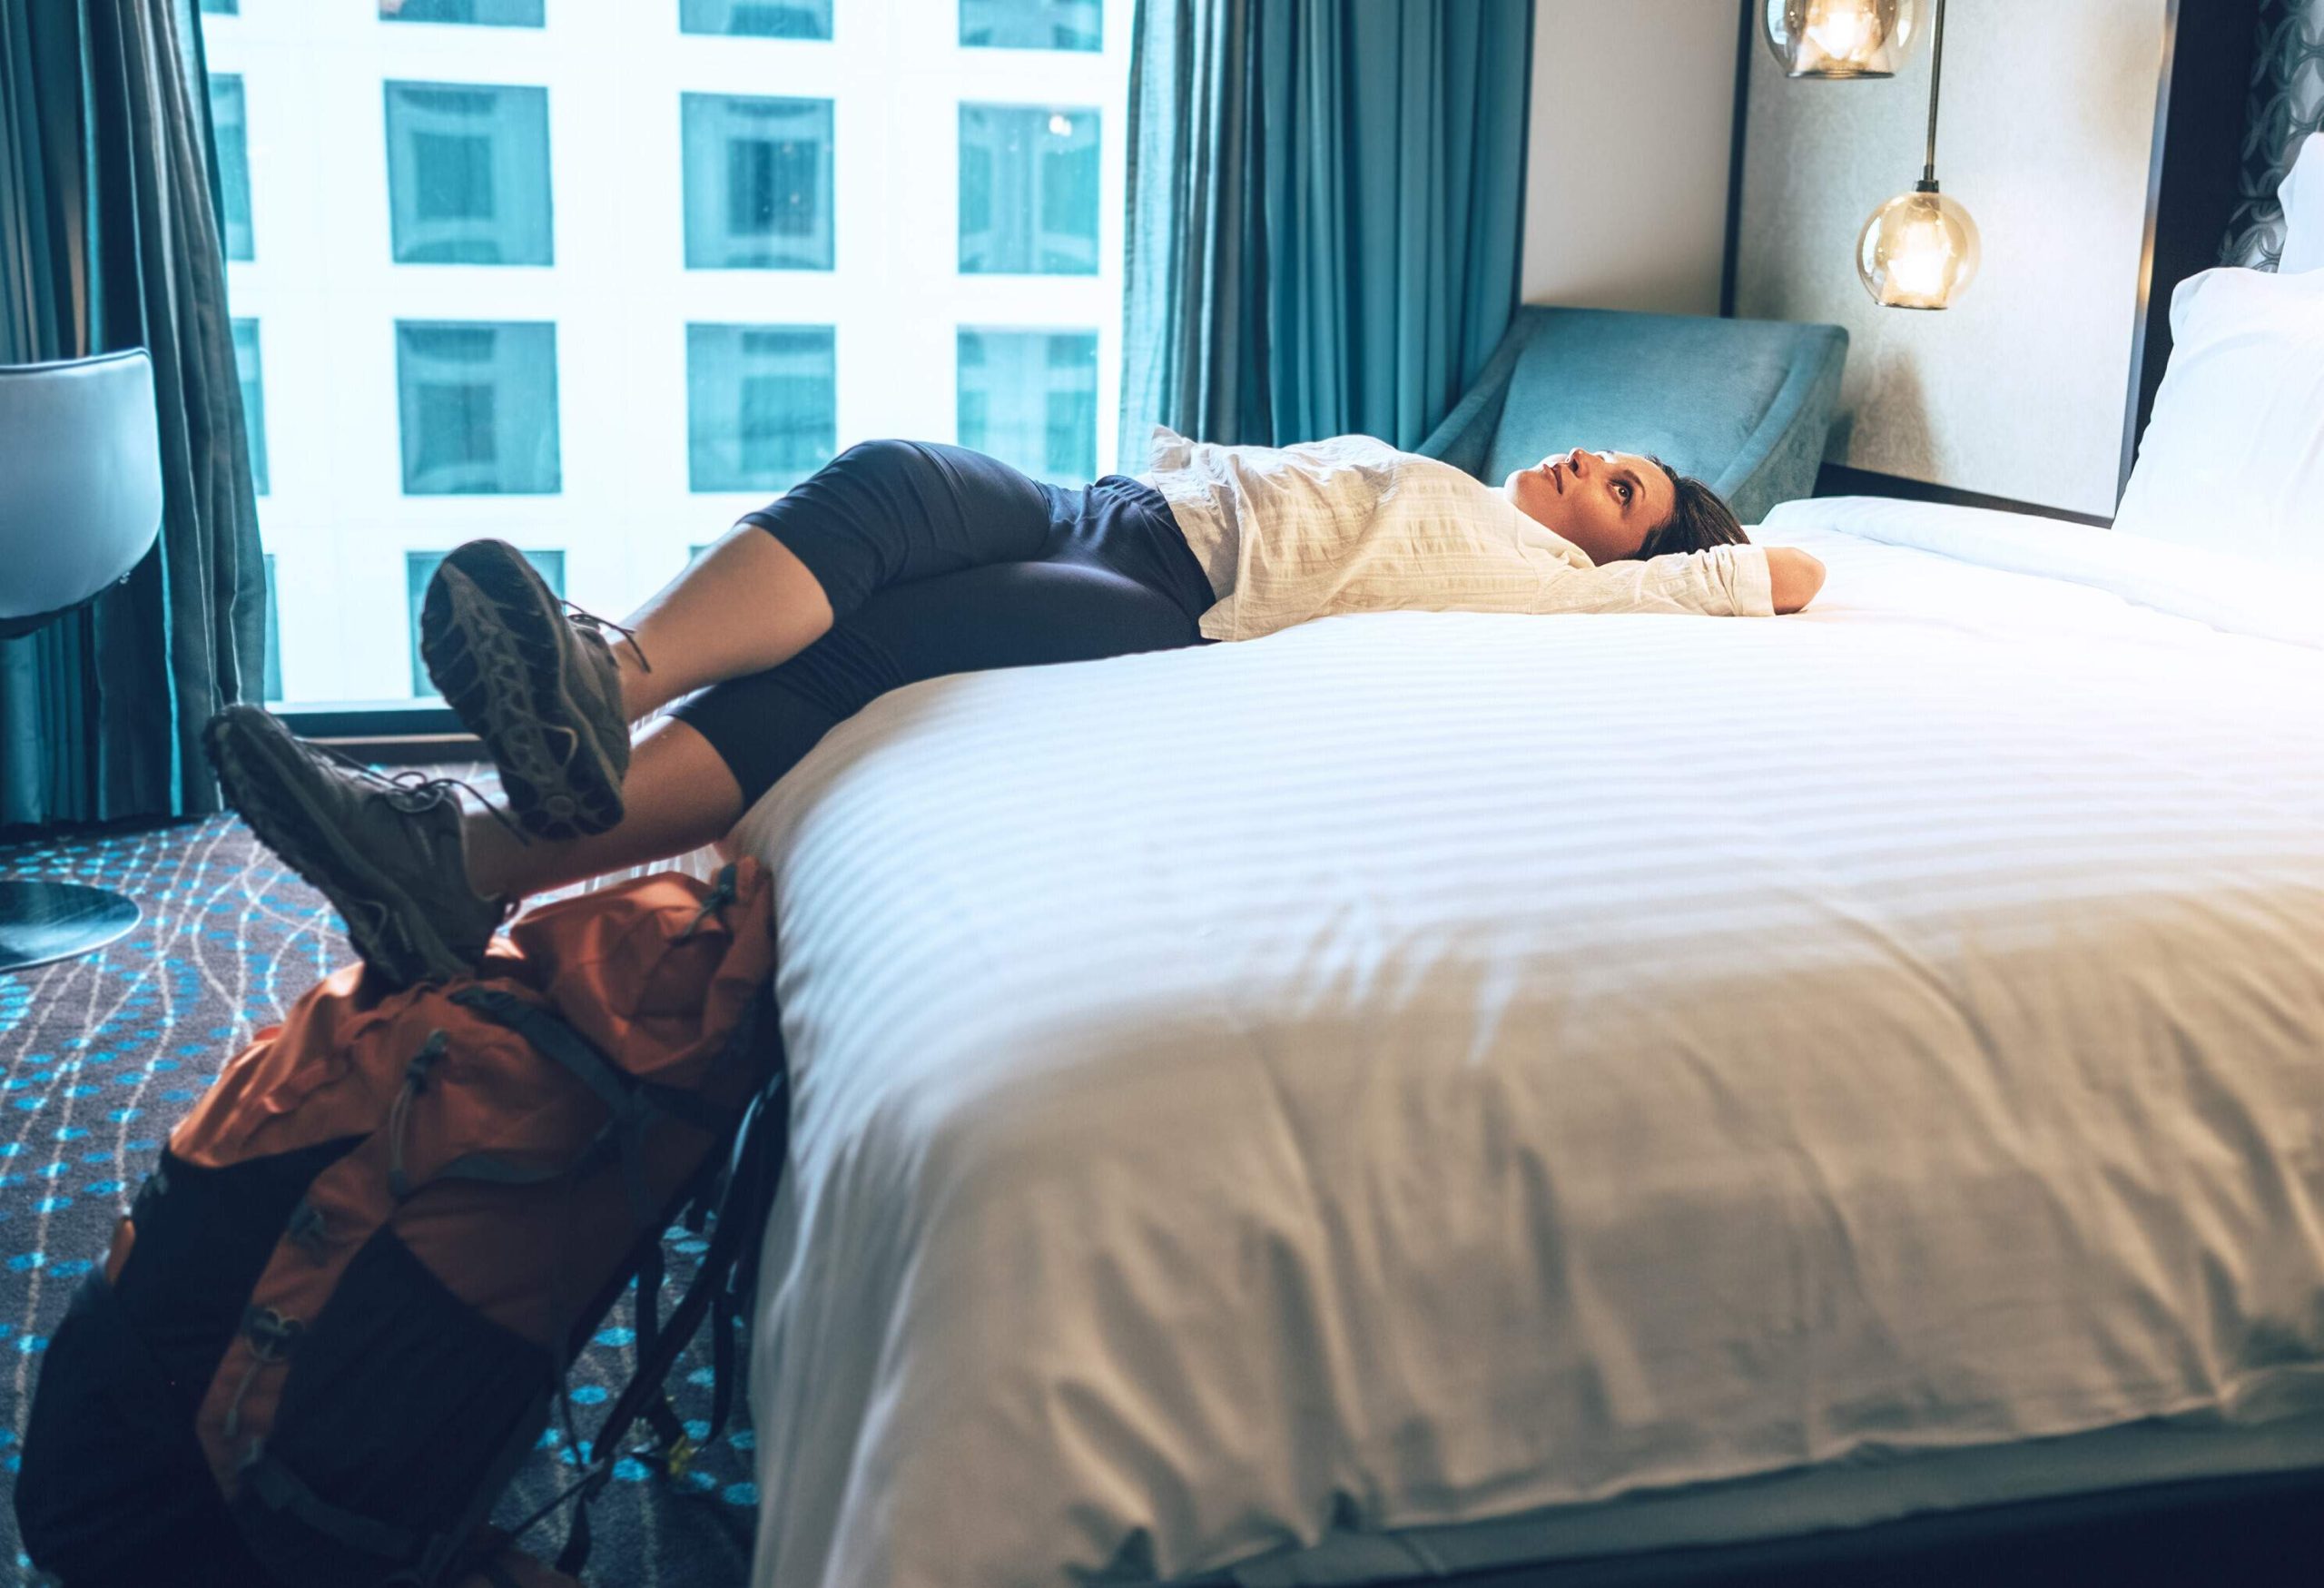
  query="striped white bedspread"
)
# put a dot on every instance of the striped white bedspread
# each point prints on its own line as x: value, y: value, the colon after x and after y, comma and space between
x: 1418, y: 1067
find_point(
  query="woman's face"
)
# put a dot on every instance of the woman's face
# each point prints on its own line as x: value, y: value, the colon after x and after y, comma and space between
x: 1603, y: 502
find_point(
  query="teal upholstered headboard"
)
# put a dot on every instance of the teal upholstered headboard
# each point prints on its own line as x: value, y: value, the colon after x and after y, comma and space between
x: 1743, y: 404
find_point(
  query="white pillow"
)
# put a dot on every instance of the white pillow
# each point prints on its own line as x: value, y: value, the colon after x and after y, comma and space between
x: 2233, y: 460
x: 2302, y: 197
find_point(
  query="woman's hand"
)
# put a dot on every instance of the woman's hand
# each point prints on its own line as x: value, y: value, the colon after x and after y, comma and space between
x: 1793, y: 577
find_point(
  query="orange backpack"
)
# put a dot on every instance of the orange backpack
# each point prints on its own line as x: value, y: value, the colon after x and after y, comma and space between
x: 339, y: 1313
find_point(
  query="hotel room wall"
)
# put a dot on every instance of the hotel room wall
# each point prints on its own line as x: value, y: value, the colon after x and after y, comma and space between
x: 1627, y: 159
x: 2046, y: 135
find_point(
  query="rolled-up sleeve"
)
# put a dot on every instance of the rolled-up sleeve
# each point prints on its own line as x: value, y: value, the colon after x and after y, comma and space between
x: 1726, y: 581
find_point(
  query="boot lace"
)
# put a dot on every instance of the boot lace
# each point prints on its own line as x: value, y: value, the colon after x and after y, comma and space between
x: 415, y: 790
x: 600, y: 627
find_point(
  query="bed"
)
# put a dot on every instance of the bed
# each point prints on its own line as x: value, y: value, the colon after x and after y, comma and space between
x: 1426, y: 1093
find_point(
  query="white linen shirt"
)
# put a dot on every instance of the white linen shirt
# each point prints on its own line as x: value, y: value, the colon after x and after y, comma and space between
x: 1286, y: 534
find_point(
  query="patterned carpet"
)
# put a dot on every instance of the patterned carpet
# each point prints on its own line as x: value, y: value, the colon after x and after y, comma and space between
x: 98, y: 1059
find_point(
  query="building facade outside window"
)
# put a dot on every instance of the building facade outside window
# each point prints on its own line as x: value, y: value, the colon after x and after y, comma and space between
x: 489, y: 12
x: 467, y: 174
x: 251, y: 370
x: 758, y: 184
x: 1028, y: 190
x: 1032, y: 25
x: 479, y: 408
x: 762, y: 404
x: 230, y: 129
x: 1029, y: 397
x: 767, y: 19
x: 597, y: 277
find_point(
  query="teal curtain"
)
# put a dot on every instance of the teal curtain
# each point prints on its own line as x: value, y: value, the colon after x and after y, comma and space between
x: 109, y: 239
x: 1324, y: 206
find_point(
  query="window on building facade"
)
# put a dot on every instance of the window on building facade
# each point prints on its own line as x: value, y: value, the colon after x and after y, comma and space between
x: 271, y: 678
x: 766, y: 19
x: 467, y: 174
x: 221, y: 7
x: 1028, y: 190
x: 1033, y: 25
x: 230, y: 132
x: 420, y: 566
x: 479, y: 408
x: 248, y: 366
x: 489, y: 13
x: 762, y: 404
x: 1029, y: 397
x: 758, y: 182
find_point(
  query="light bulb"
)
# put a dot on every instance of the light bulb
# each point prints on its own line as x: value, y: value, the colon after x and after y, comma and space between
x: 1840, y: 38
x: 1919, y: 250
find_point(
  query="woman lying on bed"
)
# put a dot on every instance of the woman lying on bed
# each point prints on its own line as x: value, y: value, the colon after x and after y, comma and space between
x: 900, y: 561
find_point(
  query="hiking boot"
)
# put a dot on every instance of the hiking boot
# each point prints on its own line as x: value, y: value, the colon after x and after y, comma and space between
x: 539, y: 689
x: 387, y: 852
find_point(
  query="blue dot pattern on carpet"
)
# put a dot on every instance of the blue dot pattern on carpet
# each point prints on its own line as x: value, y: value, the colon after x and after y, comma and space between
x: 100, y: 1056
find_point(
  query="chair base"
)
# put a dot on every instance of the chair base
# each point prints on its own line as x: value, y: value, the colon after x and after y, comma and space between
x: 41, y: 922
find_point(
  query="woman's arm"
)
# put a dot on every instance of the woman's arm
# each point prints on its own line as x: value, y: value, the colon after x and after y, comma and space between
x: 1793, y: 577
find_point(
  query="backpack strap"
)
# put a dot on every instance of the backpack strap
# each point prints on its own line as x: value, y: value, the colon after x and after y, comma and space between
x: 752, y: 1169
x: 631, y: 1106
x: 281, y: 1489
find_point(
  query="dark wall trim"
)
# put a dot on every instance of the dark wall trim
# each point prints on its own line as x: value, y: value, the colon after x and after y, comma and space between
x: 409, y: 749
x: 1837, y: 479
x: 356, y: 719
x: 2202, y: 99
x: 1745, y: 32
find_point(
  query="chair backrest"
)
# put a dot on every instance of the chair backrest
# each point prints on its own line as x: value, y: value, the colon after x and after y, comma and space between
x: 1744, y: 405
x: 80, y: 481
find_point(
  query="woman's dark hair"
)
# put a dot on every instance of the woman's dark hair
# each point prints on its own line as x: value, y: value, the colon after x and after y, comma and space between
x: 1698, y: 522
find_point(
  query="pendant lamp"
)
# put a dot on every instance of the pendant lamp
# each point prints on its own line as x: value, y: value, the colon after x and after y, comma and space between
x: 1840, y: 38
x: 1920, y: 249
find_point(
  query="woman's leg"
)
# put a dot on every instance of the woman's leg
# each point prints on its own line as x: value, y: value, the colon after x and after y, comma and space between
x: 681, y: 796
x: 881, y: 513
x: 696, y: 772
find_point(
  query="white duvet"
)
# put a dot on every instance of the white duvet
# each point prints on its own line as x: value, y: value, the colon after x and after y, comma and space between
x: 1420, y: 1068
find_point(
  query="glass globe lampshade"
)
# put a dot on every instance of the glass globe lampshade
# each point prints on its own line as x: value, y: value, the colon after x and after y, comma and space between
x: 1918, y: 251
x: 1840, y: 38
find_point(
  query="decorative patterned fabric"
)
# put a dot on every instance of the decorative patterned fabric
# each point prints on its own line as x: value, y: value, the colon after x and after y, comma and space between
x: 2287, y: 104
x: 100, y: 1056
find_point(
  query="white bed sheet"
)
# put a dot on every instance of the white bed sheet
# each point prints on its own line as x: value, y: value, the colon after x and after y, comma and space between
x: 1424, y: 1067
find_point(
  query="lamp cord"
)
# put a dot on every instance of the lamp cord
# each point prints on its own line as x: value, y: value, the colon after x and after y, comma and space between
x: 1935, y: 75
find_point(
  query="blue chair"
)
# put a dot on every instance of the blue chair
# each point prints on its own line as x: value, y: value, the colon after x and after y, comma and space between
x: 80, y: 506
x: 1743, y: 405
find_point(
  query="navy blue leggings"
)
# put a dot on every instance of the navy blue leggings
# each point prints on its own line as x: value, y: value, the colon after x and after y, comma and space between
x: 937, y: 561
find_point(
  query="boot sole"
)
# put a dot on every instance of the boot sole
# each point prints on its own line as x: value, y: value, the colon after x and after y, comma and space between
x: 261, y: 772
x: 492, y: 636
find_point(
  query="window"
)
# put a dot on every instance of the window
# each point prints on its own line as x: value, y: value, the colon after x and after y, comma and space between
x: 1028, y: 190
x: 766, y: 19
x: 1029, y: 397
x: 490, y: 13
x: 420, y: 566
x: 254, y: 379
x: 487, y: 305
x: 1032, y: 25
x: 478, y: 406
x: 762, y: 404
x: 230, y: 127
x: 222, y: 7
x: 467, y: 174
x: 758, y: 184
x: 270, y: 681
